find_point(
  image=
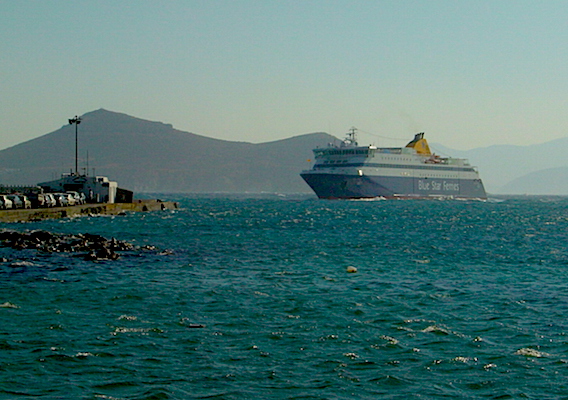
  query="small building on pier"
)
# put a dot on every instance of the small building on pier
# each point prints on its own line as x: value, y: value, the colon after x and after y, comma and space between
x: 97, y: 189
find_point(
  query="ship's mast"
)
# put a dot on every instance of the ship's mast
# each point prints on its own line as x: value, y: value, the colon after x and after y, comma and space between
x: 352, y: 136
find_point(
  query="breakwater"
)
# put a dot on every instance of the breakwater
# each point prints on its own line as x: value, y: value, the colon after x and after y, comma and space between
x: 37, y: 214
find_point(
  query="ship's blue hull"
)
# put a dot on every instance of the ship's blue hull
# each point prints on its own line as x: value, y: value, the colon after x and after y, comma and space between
x: 341, y: 186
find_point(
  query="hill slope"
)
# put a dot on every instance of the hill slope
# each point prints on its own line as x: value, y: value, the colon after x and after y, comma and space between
x: 510, y: 169
x: 147, y: 156
x: 552, y: 181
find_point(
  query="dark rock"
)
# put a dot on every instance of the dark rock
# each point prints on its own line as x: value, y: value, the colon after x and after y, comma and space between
x: 40, y: 236
x: 96, y: 247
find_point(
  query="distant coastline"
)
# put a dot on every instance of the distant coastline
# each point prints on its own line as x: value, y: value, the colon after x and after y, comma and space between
x: 153, y: 157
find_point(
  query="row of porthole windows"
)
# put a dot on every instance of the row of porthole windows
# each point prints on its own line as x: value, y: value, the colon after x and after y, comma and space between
x: 340, y: 152
x: 336, y: 162
x: 406, y: 174
x: 346, y: 161
x: 382, y: 158
x: 438, y: 177
x: 427, y: 167
x: 438, y: 169
x: 397, y: 158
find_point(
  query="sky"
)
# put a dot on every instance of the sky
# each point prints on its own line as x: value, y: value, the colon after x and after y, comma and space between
x: 469, y: 73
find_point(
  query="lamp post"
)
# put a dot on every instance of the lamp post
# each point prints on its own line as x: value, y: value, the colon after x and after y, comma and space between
x: 76, y: 121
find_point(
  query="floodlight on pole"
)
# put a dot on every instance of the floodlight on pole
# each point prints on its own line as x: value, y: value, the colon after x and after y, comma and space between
x: 76, y: 121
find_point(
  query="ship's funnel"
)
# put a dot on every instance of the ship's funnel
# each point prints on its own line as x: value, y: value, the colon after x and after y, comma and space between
x: 420, y: 144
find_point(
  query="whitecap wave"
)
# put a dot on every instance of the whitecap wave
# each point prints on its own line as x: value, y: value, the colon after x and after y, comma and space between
x: 436, y: 329
x: 23, y: 264
x: 127, y: 317
x: 528, y: 352
x: 389, y: 339
x: 379, y: 198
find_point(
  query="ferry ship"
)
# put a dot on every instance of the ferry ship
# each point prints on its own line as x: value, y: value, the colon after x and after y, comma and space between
x: 350, y: 171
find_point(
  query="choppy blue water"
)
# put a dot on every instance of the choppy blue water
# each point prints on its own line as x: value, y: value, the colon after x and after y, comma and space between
x: 252, y: 300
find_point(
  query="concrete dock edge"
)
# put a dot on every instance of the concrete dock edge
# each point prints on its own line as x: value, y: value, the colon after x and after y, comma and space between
x: 37, y: 214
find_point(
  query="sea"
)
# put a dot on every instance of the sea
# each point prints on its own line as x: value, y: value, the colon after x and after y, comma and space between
x: 290, y: 297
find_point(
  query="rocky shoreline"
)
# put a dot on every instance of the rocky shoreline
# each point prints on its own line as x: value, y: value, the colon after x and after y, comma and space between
x: 90, y: 247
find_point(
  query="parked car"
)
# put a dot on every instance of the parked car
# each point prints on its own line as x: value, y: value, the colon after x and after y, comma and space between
x: 50, y: 200
x: 70, y: 199
x: 61, y: 199
x: 65, y: 199
x: 5, y: 202
x: 37, y: 200
x: 27, y: 202
x: 16, y: 201
x: 77, y: 197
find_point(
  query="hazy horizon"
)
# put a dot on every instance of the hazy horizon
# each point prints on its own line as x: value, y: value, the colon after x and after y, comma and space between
x: 470, y: 74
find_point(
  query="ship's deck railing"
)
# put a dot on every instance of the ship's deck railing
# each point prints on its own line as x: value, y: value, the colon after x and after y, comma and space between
x: 341, y: 152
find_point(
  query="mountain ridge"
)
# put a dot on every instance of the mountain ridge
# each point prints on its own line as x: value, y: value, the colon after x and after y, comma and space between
x: 148, y: 156
x: 151, y: 156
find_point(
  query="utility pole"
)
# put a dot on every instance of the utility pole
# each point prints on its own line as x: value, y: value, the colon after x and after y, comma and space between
x: 76, y: 121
